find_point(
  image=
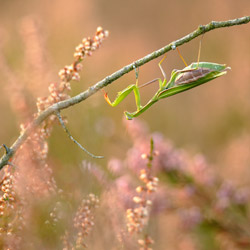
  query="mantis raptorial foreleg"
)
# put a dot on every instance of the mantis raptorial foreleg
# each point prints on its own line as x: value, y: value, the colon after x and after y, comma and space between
x: 135, y: 87
x: 122, y: 94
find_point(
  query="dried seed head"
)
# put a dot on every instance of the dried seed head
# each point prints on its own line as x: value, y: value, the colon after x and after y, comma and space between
x: 84, y: 217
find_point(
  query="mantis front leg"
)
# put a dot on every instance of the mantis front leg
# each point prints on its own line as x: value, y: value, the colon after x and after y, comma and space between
x: 122, y: 94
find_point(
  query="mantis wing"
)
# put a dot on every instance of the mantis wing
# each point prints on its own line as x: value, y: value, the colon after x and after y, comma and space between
x: 175, y: 86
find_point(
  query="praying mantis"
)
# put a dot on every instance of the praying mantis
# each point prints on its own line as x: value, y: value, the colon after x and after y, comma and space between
x: 191, y: 76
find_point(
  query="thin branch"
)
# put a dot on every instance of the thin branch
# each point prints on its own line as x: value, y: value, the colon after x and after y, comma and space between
x: 111, y: 78
x: 72, y: 138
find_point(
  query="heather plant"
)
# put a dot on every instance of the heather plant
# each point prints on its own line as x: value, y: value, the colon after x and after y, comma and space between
x: 154, y: 189
x: 207, y: 206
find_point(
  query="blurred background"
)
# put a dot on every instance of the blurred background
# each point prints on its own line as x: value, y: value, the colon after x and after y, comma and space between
x: 212, y: 120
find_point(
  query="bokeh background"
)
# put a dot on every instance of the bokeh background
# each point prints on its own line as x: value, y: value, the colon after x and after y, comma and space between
x: 212, y: 119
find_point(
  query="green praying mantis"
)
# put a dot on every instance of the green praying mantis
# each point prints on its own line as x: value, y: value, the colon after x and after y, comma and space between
x: 191, y: 76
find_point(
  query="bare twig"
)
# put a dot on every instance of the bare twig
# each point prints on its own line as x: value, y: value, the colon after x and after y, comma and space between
x: 111, y: 78
x: 72, y: 138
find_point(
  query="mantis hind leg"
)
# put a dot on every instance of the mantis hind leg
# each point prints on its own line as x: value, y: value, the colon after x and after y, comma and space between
x: 199, y: 54
x: 162, y: 71
x: 181, y: 56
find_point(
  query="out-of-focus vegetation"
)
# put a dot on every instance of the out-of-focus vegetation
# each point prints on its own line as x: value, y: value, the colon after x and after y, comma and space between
x: 37, y: 39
